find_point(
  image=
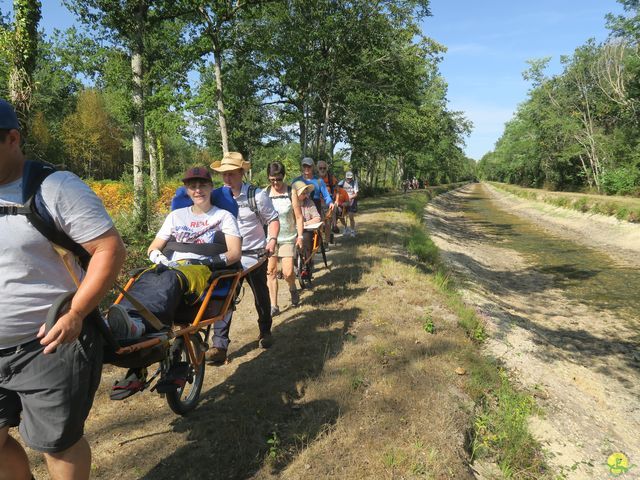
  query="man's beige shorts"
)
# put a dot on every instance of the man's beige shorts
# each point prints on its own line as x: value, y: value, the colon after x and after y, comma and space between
x: 285, y: 250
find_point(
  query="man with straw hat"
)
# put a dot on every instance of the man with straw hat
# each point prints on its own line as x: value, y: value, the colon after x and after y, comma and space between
x: 255, y: 211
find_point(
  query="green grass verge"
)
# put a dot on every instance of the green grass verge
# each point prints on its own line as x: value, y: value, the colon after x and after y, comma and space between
x: 499, y: 432
x: 623, y: 208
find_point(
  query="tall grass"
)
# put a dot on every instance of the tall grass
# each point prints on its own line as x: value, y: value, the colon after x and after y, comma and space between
x: 500, y: 429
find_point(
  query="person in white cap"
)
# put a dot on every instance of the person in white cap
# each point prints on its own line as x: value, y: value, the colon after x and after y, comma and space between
x: 320, y: 191
x: 350, y: 184
x: 255, y: 211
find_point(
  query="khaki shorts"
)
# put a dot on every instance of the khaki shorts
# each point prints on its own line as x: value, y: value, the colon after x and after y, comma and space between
x: 285, y: 250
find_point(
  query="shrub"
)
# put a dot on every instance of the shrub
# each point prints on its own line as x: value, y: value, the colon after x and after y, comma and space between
x: 581, y: 204
x: 622, y: 180
x: 420, y: 245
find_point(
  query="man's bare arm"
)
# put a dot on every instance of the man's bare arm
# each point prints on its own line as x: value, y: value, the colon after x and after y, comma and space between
x: 107, y: 257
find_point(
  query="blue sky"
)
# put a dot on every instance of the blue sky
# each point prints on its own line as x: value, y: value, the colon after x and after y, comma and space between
x: 488, y: 44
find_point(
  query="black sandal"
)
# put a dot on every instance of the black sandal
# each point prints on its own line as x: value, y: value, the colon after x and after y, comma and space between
x: 134, y: 382
x: 175, y: 378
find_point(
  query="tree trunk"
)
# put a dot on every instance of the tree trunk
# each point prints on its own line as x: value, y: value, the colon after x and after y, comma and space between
x: 316, y: 143
x: 139, y: 194
x: 24, y: 55
x: 325, y: 130
x: 222, y: 117
x: 384, y: 177
x: 303, y: 135
x: 153, y: 164
x: 160, y: 150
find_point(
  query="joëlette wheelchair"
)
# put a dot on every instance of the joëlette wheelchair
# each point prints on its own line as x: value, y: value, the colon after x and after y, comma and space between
x: 304, y: 264
x: 177, y: 347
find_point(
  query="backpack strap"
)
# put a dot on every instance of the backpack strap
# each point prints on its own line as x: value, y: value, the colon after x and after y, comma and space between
x: 34, y: 209
x: 251, y: 199
x: 279, y: 196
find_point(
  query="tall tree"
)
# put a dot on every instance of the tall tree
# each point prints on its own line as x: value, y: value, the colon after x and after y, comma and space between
x: 23, y: 54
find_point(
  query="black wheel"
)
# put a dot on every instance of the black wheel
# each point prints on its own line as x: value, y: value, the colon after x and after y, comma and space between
x: 186, y: 398
x: 299, y: 264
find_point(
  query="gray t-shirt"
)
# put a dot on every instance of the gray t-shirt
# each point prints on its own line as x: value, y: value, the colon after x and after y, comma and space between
x: 33, y: 274
x: 251, y: 225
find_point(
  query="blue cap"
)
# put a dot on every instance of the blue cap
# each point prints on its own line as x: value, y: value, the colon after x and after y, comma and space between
x: 8, y: 118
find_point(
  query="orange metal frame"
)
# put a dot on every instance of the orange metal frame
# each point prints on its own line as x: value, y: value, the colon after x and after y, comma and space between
x: 198, y: 323
x: 317, y: 238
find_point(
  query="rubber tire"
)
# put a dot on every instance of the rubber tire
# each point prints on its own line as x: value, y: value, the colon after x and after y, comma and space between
x: 180, y: 405
x: 299, y: 263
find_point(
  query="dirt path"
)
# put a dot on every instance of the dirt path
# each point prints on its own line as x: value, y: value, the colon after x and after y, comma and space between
x: 579, y: 355
x: 353, y: 387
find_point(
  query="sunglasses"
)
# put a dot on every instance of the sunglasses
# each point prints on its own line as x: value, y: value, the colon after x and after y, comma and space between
x: 322, y: 168
x: 275, y: 179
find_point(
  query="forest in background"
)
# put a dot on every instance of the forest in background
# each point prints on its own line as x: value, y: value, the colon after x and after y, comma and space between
x: 139, y: 89
x: 579, y: 130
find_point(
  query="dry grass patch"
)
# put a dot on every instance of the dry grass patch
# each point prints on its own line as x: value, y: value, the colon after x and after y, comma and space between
x: 402, y: 408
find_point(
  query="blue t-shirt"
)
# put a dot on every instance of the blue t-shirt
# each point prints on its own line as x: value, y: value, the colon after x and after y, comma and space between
x: 319, y: 188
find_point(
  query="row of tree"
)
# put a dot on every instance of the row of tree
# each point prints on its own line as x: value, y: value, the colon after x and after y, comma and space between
x: 579, y: 129
x: 147, y: 87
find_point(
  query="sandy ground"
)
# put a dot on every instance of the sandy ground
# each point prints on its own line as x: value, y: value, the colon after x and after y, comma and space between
x: 582, y: 365
x: 619, y: 239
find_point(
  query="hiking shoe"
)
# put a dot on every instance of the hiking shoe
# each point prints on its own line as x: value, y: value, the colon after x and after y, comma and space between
x: 265, y: 340
x: 295, y: 297
x: 216, y: 356
x: 275, y: 311
x: 120, y: 323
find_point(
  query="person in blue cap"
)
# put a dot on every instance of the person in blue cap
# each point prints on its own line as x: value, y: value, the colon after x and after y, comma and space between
x: 320, y: 191
x: 48, y: 379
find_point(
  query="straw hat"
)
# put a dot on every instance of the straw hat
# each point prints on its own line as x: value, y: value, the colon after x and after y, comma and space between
x: 231, y: 161
x: 301, y: 187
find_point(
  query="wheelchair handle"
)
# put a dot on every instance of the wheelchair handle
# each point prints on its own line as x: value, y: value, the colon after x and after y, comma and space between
x: 56, y: 309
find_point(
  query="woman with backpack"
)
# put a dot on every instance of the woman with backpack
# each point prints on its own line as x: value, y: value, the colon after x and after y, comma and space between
x: 289, y: 238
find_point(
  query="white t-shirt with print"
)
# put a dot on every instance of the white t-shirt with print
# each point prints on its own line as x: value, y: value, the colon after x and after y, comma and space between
x: 184, y: 226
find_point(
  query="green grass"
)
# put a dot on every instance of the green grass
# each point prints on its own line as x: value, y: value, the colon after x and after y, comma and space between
x: 499, y: 431
x: 623, y: 208
x: 420, y: 244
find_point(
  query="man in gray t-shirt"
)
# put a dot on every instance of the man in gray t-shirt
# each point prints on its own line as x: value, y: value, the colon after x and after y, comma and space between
x: 48, y: 379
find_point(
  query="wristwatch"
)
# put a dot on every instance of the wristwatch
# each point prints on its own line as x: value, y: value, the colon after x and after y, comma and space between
x: 272, y: 238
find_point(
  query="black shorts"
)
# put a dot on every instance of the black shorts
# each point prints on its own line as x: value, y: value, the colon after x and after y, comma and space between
x: 52, y: 393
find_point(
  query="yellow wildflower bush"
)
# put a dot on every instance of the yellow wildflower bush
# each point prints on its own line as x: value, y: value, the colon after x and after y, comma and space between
x: 115, y: 196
